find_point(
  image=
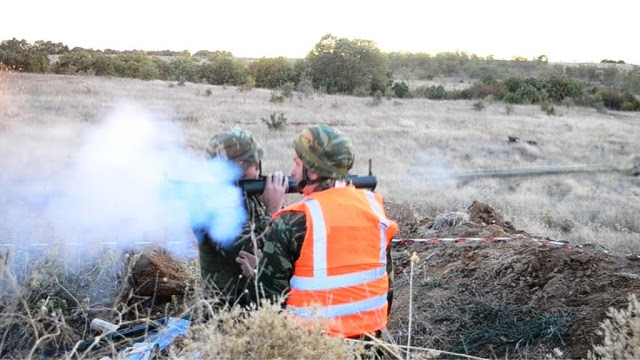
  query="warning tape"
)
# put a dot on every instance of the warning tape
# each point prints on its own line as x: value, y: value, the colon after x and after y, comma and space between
x: 472, y: 240
x: 493, y: 240
x: 112, y: 243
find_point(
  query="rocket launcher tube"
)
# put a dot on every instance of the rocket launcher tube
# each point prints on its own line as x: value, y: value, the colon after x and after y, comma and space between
x: 256, y: 186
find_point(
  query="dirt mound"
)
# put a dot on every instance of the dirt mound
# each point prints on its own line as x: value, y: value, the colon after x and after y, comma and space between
x: 492, y: 300
x: 156, y: 273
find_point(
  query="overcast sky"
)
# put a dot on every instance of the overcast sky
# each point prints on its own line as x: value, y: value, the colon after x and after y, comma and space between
x: 569, y: 31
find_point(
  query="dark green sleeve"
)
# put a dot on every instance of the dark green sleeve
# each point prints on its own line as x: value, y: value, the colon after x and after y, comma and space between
x: 390, y: 270
x: 254, y: 228
x: 281, y: 250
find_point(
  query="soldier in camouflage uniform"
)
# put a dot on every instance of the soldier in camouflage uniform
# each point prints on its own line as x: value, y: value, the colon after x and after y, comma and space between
x: 319, y: 150
x: 219, y: 271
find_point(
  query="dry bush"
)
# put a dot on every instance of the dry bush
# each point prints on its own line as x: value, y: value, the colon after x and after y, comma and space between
x: 621, y: 333
x: 267, y: 332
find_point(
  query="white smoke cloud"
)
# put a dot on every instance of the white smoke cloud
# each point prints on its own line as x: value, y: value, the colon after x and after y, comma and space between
x: 116, y: 190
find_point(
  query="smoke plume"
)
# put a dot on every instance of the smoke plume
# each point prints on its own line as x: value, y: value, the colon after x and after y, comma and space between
x: 130, y: 182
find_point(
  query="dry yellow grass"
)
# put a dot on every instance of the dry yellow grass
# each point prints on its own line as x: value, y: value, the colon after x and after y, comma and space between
x: 43, y: 119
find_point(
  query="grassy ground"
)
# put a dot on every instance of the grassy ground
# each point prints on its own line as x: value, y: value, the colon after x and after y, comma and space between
x: 411, y: 142
x: 414, y: 144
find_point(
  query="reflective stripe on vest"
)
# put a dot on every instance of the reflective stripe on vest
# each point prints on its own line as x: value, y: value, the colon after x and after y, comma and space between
x: 321, y: 281
x: 339, y: 310
x: 384, y: 224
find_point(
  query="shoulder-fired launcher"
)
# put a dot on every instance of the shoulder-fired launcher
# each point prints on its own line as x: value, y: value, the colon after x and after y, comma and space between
x: 256, y: 186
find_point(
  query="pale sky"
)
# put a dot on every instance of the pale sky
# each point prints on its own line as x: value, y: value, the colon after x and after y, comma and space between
x: 567, y: 31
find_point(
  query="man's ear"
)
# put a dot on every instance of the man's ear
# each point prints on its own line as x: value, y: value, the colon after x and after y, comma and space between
x: 312, y: 175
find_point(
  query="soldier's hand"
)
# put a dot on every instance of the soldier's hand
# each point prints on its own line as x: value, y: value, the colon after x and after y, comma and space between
x: 274, y: 190
x: 248, y: 262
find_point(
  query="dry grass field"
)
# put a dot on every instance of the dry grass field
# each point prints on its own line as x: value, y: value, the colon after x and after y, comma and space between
x: 416, y: 145
x: 413, y: 143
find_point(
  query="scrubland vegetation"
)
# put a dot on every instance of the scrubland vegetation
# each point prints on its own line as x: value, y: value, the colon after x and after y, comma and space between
x: 421, y: 120
x: 356, y: 67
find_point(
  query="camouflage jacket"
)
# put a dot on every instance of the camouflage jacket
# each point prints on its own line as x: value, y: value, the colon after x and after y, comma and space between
x: 281, y: 250
x: 219, y: 271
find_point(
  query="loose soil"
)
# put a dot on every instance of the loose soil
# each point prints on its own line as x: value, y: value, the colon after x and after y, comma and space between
x: 516, y: 299
x: 497, y: 300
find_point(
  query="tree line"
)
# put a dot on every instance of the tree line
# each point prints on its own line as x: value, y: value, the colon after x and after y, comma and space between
x: 346, y: 66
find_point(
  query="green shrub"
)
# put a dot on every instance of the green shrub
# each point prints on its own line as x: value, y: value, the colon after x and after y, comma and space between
x: 547, y: 108
x: 430, y: 92
x: 512, y: 98
x: 287, y: 89
x: 149, y: 71
x: 272, y: 72
x: 277, y: 97
x: 610, y: 98
x: 222, y: 70
x: 305, y: 88
x: 559, y: 87
x: 76, y: 62
x: 275, y: 121
x: 478, y: 105
x: 513, y: 84
x: 249, y: 84
x: 528, y: 94
x: 569, y: 102
x: 361, y: 91
x: 509, y: 109
x: 401, y: 90
x: 497, y: 91
x: 376, y: 99
x: 208, y: 92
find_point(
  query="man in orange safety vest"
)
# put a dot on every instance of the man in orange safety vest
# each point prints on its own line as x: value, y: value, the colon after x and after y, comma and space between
x: 330, y: 252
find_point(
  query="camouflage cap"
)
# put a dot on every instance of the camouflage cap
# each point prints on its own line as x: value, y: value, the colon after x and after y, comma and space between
x: 236, y: 145
x: 326, y: 151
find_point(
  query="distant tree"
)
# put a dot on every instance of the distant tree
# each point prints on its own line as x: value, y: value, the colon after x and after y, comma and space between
x: 610, y: 75
x: 272, y: 72
x: 51, y: 48
x: 76, y: 62
x: 22, y: 56
x: 223, y: 70
x: 343, y: 65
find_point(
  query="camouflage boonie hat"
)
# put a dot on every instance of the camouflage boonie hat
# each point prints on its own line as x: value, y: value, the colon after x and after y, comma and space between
x: 236, y: 145
x: 326, y: 151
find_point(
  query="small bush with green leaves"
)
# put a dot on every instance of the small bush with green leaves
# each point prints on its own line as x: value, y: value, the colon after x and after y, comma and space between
x: 547, y: 108
x: 610, y: 98
x: 305, y: 88
x: 509, y: 109
x: 401, y: 90
x: 149, y: 71
x: 276, y: 121
x: 560, y: 87
x: 287, y: 89
x: 277, y: 97
x: 512, y: 98
x: 361, y: 91
x: 478, y: 105
x: 528, y: 94
x: 249, y: 84
x: 376, y: 99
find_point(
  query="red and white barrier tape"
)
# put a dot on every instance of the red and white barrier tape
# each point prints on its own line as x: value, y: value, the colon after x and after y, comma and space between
x: 555, y: 244
x: 112, y: 243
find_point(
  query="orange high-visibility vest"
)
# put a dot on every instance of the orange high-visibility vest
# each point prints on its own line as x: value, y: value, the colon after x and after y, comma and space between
x: 341, y: 273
